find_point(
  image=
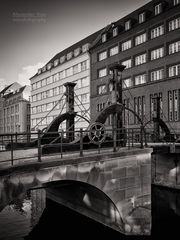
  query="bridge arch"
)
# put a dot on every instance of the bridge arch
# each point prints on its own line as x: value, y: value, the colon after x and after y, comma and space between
x: 115, y: 108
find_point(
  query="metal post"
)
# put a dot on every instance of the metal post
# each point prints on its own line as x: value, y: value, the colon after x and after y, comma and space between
x: 81, y: 142
x: 39, y: 145
x: 114, y: 132
x: 128, y: 136
x: 132, y: 137
x: 61, y: 143
x: 141, y: 135
x: 16, y: 137
x: 11, y: 149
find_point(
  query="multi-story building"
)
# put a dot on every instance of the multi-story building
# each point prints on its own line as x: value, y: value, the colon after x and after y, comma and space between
x: 15, y: 109
x: 47, y: 86
x: 147, y: 42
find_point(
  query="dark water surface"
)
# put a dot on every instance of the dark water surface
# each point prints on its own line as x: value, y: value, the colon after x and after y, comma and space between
x: 18, y: 220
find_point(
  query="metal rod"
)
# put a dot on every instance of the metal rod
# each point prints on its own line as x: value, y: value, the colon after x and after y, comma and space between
x: 39, y: 145
x: 81, y: 142
x: 12, y: 150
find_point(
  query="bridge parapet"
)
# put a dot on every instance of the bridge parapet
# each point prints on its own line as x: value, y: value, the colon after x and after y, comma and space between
x: 123, y: 178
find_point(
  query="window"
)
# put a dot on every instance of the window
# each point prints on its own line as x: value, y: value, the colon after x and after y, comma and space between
x: 56, y: 62
x: 100, y: 107
x: 157, y: 53
x: 69, y: 72
x: 104, y: 37
x: 102, y: 55
x: 140, y: 39
x: 77, y: 51
x: 142, y: 17
x: 158, y: 9
x: 174, y: 24
x: 69, y: 55
x: 62, y: 59
x: 113, y: 51
x: 127, y: 25
x: 102, y: 72
x: 174, y: 47
x: 62, y: 74
x: 140, y: 79
x: 49, y: 80
x: 33, y: 98
x: 127, y: 63
x: 174, y: 70
x: 126, y: 45
x: 85, y: 47
x: 33, y: 86
x: 127, y: 82
x: 84, y: 65
x: 38, y: 84
x: 84, y: 82
x: 102, y: 89
x: 43, y: 82
x: 85, y: 98
x: 56, y: 77
x: 158, y: 31
x: 157, y: 74
x: 115, y: 31
x: 176, y: 2
x: 17, y: 108
x: 140, y: 59
x: 170, y: 106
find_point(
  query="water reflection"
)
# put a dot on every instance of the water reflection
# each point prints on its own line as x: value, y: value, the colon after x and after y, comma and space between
x: 32, y: 215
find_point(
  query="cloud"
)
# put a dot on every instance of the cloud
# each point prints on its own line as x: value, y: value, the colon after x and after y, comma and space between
x: 27, y: 72
x: 2, y: 83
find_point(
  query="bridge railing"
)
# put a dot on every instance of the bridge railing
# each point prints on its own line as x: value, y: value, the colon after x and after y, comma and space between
x: 18, y: 148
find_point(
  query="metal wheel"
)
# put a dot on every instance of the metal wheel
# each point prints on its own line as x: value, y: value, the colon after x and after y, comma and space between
x: 97, y: 133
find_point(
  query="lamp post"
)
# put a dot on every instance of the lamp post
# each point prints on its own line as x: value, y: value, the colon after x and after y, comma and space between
x: 116, y: 85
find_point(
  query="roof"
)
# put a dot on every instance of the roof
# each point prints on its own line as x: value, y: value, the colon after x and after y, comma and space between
x: 88, y: 39
x: 5, y: 89
x: 20, y: 90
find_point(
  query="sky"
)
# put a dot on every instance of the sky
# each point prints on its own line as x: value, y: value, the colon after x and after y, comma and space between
x: 33, y: 31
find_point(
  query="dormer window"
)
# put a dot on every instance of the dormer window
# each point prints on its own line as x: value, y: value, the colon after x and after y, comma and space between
x: 44, y: 69
x: 104, y: 37
x: 62, y: 59
x: 158, y: 9
x: 56, y: 62
x: 39, y: 71
x: 69, y: 55
x: 127, y: 25
x: 115, y: 31
x: 77, y: 51
x: 85, y: 47
x: 176, y: 2
x: 49, y: 66
x: 142, y: 17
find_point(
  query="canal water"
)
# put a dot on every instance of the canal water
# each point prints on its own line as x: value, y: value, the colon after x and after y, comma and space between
x: 33, y: 216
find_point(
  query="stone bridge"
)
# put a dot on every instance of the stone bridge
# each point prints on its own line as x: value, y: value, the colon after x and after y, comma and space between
x: 111, y: 188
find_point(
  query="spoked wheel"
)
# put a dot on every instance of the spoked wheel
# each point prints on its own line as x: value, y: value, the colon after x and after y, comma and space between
x: 97, y: 133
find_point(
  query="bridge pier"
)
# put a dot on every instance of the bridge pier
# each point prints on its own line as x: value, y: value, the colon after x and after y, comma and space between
x: 166, y: 166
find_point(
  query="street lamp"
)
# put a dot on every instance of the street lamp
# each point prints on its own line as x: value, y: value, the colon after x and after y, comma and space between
x: 115, y: 84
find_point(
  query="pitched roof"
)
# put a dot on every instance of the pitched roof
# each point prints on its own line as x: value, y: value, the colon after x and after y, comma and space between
x: 5, y: 89
x: 88, y: 39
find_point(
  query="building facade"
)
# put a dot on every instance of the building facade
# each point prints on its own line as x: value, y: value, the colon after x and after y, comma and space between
x: 147, y: 42
x: 15, y: 109
x: 47, y: 86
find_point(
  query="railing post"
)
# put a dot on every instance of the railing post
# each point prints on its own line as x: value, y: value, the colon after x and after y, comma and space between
x: 132, y: 137
x: 81, y: 142
x: 16, y: 137
x: 141, y: 135
x: 128, y: 138
x: 39, y: 145
x: 61, y: 143
x: 11, y: 149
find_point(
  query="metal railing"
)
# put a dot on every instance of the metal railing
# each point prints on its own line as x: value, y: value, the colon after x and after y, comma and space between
x: 37, y: 146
